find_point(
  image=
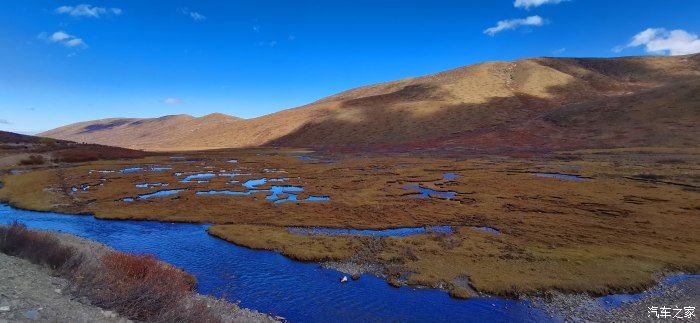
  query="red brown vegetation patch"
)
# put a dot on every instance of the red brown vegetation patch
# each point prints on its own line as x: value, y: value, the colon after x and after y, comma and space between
x: 33, y: 160
x: 137, y: 286
x: 37, y: 247
x: 93, y: 152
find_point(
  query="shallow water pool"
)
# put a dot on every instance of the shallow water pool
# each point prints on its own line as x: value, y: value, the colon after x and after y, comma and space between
x: 200, y: 178
x: 424, y: 192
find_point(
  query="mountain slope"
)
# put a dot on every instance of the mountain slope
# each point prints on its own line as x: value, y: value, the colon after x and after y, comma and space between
x: 541, y: 103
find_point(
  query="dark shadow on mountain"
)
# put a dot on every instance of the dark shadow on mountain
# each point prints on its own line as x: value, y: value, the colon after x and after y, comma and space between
x: 612, y: 105
x: 103, y: 126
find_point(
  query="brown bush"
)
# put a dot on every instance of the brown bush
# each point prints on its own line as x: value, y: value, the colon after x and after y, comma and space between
x: 37, y: 247
x: 75, y: 155
x: 33, y: 160
x: 86, y: 153
x: 137, y: 286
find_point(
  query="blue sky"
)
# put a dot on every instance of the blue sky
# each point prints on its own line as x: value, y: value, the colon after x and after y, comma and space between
x: 67, y: 61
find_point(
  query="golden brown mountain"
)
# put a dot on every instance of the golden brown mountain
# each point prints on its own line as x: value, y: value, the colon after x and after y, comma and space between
x: 530, y: 104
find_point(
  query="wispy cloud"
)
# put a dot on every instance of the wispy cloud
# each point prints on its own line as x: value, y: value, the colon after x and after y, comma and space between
x: 196, y: 16
x: 660, y: 40
x: 86, y: 10
x: 256, y: 28
x: 514, y: 23
x: 559, y: 51
x: 271, y: 43
x: 527, y: 4
x: 61, y: 37
x: 172, y: 101
x: 4, y: 121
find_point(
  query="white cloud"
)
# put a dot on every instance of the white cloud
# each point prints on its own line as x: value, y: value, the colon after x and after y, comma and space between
x: 3, y: 121
x: 196, y: 16
x: 59, y: 36
x: 75, y: 42
x: 660, y: 40
x: 514, y: 23
x: 172, y: 101
x: 86, y: 10
x: 62, y: 37
x: 534, y: 3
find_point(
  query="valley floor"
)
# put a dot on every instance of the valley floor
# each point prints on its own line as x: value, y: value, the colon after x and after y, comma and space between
x: 594, y: 222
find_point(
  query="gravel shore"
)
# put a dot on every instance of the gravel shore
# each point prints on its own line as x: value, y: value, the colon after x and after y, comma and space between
x: 29, y: 292
x: 626, y: 308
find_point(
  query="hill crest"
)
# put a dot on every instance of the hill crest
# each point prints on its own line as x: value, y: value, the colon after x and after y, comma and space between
x: 482, y: 106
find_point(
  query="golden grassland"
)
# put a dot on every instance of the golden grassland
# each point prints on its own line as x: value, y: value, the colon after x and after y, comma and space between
x: 634, y: 217
x: 32, y: 190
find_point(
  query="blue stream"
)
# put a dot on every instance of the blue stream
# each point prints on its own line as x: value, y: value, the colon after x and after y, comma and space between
x: 271, y: 283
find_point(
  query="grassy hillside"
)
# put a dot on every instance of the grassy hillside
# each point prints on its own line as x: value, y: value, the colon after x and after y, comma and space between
x: 541, y: 103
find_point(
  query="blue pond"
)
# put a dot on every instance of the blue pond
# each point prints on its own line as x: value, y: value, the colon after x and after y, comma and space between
x: 160, y: 194
x: 252, y: 183
x: 293, y: 198
x: 398, y: 232
x: 269, y: 282
x: 487, y: 230
x: 202, y: 177
x: 275, y: 195
x: 160, y: 169
x: 233, y: 174
x: 565, y: 177
x: 450, y: 176
x: 131, y: 170
x: 163, y: 193
x: 424, y: 192
x: 147, y: 185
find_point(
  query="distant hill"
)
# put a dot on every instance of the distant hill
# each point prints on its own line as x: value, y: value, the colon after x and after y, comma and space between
x: 17, y: 148
x: 539, y: 103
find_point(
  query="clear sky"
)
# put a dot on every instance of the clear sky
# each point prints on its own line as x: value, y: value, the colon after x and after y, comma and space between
x: 67, y: 61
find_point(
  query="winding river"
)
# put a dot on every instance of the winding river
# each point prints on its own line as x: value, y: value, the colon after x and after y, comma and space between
x: 271, y: 283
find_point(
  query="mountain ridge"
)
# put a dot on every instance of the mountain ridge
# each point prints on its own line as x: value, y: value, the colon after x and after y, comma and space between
x: 493, y: 102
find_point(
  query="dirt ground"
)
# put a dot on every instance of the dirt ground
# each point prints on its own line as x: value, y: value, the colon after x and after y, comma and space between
x: 623, y: 217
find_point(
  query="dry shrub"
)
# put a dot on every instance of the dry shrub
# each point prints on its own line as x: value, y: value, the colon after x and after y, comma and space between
x: 138, y: 286
x: 33, y: 160
x: 75, y: 155
x: 449, y: 241
x: 86, y: 153
x: 37, y: 247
